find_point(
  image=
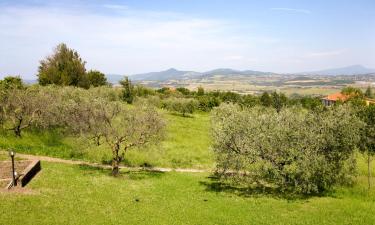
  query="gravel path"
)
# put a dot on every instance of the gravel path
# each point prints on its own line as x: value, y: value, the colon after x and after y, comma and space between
x: 78, y: 162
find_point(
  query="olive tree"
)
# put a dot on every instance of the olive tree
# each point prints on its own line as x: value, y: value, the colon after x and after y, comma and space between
x: 181, y: 105
x: 367, y: 144
x: 121, y: 126
x: 131, y: 127
x: 23, y: 108
x: 294, y: 150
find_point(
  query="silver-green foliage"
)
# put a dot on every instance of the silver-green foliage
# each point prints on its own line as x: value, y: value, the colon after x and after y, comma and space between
x: 295, y: 150
x: 180, y: 105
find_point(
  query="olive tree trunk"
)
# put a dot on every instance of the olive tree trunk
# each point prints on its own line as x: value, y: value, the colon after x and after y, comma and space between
x: 116, y: 159
x: 17, y: 131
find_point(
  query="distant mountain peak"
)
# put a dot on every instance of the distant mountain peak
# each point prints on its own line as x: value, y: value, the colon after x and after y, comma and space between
x: 175, y: 74
x: 348, y: 70
x: 356, y: 66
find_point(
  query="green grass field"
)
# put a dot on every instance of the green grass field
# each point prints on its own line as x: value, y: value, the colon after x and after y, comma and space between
x: 186, y: 145
x: 73, y: 194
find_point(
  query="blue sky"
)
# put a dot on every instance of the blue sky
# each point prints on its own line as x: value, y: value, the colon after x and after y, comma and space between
x: 127, y: 37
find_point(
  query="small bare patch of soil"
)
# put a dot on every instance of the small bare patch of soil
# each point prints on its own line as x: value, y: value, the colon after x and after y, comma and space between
x: 6, y: 170
x: 18, y: 190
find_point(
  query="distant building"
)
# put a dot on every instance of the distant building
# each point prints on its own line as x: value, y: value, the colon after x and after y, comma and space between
x: 170, y: 88
x: 333, y: 98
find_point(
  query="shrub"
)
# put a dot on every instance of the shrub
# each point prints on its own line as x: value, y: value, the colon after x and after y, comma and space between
x: 96, y: 78
x: 180, y: 105
x: 128, y: 90
x: 11, y: 82
x: 142, y: 91
x: 206, y: 103
x: 183, y: 91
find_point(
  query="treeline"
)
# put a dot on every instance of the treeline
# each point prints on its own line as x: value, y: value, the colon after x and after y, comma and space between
x: 65, y: 67
x: 207, y: 100
x: 98, y: 114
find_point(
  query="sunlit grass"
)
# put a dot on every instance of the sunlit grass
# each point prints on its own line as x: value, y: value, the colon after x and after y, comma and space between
x: 187, y: 144
x: 72, y: 194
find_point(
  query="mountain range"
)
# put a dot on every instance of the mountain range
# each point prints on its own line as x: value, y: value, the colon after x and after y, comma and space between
x: 349, y: 70
x: 174, y: 74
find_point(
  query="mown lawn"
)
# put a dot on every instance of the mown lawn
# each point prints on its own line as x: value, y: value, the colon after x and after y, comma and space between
x: 73, y: 194
x: 186, y: 145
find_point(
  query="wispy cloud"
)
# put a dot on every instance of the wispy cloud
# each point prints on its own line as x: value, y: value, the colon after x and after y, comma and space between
x: 116, y: 6
x: 326, y: 53
x: 294, y: 10
x: 124, y: 43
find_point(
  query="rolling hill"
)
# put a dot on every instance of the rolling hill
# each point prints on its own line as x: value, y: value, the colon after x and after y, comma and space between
x: 349, y: 70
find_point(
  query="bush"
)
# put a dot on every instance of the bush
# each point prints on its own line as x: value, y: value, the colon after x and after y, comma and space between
x: 293, y: 151
x: 180, y: 105
x: 96, y: 78
x: 142, y: 91
x: 153, y: 100
x: 183, y: 91
x: 11, y: 82
x: 206, y: 103
x: 128, y: 90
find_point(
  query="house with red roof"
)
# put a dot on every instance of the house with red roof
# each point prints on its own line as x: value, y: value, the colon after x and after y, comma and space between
x: 333, y: 98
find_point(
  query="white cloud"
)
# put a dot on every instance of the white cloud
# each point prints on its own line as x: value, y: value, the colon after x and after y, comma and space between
x: 305, y: 11
x: 326, y: 53
x: 127, y: 43
x: 116, y: 7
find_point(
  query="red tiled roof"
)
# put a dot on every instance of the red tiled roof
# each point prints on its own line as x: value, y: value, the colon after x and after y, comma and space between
x: 337, y: 97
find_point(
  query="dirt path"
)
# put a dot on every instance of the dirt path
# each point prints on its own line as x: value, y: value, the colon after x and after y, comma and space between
x: 78, y: 162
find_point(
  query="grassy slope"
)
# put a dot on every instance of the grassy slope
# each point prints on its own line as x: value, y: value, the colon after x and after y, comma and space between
x: 67, y: 194
x: 186, y: 145
x: 70, y: 194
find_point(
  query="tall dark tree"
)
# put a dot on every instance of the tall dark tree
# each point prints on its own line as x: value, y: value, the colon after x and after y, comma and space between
x: 63, y: 67
x: 200, y: 91
x: 368, y: 92
x: 266, y: 99
x: 278, y: 101
x: 96, y: 78
x: 128, y: 91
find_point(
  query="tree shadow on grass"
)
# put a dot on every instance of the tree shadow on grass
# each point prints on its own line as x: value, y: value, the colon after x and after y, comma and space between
x: 142, y: 174
x: 188, y: 115
x: 126, y: 162
x: 50, y: 137
x: 138, y: 174
x: 214, y: 184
